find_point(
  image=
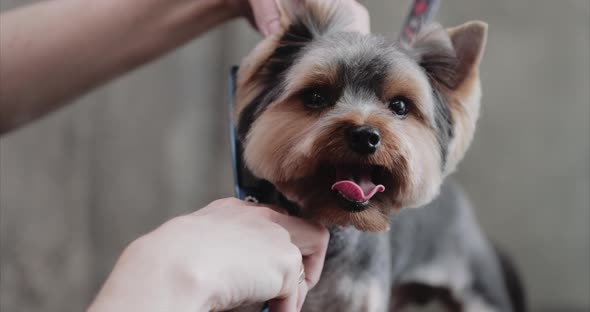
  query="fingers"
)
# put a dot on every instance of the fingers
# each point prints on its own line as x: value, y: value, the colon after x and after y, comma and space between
x: 302, y: 293
x: 312, y: 239
x: 266, y: 15
x: 292, y: 303
x: 287, y: 304
x: 288, y: 298
x: 303, y: 243
x: 307, y: 235
x: 225, y: 205
x: 361, y: 18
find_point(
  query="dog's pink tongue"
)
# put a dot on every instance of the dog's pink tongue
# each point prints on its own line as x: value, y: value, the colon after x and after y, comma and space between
x: 359, y: 192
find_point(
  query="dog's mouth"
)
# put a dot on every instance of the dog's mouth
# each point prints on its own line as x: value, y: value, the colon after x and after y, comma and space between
x: 356, y: 185
x: 344, y: 194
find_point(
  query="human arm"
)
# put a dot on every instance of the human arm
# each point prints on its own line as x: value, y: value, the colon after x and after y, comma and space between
x: 224, y: 255
x: 54, y: 51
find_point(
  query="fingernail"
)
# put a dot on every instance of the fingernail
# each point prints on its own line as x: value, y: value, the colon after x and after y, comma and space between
x: 273, y: 27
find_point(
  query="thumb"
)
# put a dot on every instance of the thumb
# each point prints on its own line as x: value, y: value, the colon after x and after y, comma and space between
x: 266, y: 15
x: 286, y: 304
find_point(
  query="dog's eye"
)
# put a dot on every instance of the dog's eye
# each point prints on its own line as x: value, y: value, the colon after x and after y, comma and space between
x: 315, y: 98
x: 400, y: 106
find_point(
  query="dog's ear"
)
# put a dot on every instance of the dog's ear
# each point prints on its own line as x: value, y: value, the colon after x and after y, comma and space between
x: 451, y: 59
x: 324, y: 16
x: 468, y: 41
x: 301, y: 21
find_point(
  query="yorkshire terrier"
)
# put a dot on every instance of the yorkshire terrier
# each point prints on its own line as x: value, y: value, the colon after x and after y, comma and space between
x: 349, y: 128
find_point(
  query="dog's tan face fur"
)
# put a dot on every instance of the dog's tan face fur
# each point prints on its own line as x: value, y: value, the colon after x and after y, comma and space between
x: 300, y: 92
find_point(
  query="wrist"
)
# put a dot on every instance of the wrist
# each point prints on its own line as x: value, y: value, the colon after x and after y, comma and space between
x: 144, y: 281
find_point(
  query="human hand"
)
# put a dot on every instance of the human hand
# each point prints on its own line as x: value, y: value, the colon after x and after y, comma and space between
x: 225, y: 255
x: 265, y: 14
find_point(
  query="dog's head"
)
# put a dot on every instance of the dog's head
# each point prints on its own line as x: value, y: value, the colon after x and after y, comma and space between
x: 352, y: 126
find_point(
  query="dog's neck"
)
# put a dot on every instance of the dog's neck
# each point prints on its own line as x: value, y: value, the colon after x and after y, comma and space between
x: 341, y: 238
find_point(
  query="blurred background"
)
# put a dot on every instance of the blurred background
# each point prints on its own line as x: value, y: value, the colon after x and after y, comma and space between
x: 79, y: 185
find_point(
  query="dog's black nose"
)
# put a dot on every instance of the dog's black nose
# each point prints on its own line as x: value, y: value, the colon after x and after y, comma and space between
x: 363, y: 139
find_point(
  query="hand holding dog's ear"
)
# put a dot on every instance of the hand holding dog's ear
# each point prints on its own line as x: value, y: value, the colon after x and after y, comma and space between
x: 266, y: 15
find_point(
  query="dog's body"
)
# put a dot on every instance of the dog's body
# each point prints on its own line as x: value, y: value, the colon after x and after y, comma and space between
x: 349, y: 128
x: 435, y: 253
x: 434, y: 256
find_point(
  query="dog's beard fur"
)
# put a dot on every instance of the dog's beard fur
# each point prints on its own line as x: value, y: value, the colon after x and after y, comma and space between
x: 302, y: 150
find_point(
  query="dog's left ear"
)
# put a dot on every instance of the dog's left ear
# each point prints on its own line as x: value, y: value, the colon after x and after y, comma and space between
x: 451, y: 59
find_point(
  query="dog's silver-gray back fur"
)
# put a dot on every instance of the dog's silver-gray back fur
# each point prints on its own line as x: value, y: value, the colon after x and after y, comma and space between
x: 438, y: 245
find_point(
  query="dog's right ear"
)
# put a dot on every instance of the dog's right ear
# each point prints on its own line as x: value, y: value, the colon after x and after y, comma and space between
x: 304, y: 20
x: 301, y: 21
x: 325, y: 16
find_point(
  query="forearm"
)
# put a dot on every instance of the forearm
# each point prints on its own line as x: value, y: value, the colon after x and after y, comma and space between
x: 150, y: 285
x: 54, y: 51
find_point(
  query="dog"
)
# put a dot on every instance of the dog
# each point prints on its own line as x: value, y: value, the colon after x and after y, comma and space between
x: 353, y: 130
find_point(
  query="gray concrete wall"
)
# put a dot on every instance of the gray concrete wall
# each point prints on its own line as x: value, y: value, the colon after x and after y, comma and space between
x: 77, y: 186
